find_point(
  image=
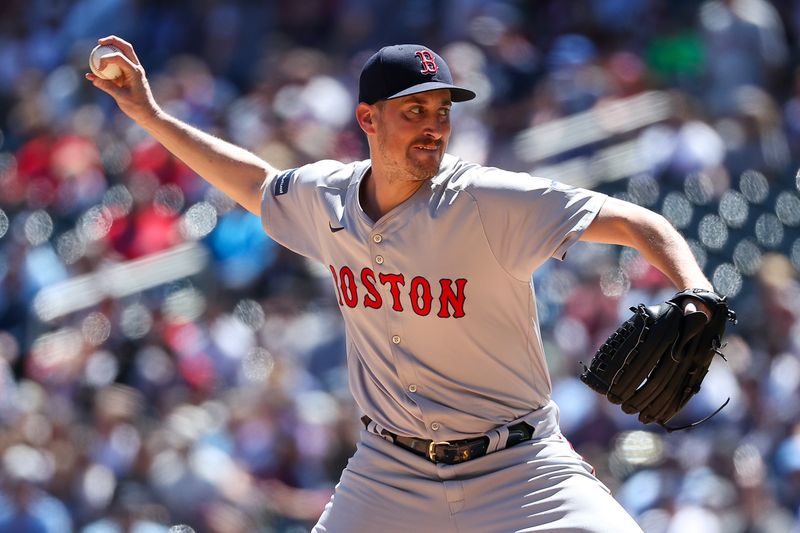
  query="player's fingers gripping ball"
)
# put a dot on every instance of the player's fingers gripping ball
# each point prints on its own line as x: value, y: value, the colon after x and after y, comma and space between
x: 111, y: 71
x: 655, y: 361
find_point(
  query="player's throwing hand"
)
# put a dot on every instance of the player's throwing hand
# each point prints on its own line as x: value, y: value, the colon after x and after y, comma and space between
x: 131, y: 90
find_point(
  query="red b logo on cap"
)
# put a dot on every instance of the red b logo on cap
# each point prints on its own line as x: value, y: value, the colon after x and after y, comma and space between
x: 428, y: 62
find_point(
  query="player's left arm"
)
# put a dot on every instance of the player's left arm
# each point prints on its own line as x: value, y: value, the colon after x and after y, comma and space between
x: 649, y: 233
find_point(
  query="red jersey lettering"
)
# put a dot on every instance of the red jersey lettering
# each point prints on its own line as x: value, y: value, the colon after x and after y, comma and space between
x: 420, y: 290
x: 394, y: 280
x: 452, y: 299
x: 373, y: 297
x: 420, y: 295
x: 349, y: 290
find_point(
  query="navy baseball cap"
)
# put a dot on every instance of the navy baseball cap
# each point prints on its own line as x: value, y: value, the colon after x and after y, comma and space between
x: 403, y: 69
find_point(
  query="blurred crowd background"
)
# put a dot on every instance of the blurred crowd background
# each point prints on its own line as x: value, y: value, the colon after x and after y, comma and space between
x: 162, y: 361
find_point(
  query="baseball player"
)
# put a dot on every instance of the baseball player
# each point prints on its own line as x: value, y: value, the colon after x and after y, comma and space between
x: 431, y: 259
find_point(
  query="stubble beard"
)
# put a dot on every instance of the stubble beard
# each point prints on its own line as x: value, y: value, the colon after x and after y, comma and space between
x: 411, y: 168
x: 421, y: 171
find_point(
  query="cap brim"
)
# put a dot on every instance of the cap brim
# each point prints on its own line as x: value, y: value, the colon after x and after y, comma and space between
x: 457, y: 94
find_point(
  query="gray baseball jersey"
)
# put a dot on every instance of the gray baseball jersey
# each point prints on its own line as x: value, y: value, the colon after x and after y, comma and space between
x: 444, y: 344
x: 437, y: 297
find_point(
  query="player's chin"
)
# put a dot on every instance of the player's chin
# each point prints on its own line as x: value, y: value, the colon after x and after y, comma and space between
x: 423, y: 171
x: 425, y: 163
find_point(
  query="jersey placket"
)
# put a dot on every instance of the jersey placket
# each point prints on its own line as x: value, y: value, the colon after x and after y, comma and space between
x: 384, y: 253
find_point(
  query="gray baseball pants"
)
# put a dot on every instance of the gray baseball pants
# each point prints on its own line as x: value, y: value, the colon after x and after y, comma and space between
x: 540, y: 485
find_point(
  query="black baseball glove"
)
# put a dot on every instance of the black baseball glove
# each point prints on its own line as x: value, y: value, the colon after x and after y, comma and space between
x: 655, y: 361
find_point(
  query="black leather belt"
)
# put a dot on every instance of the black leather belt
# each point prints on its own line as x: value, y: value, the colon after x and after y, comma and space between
x: 456, y: 451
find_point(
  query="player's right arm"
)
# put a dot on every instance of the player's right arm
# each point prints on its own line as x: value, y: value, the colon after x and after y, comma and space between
x: 235, y: 171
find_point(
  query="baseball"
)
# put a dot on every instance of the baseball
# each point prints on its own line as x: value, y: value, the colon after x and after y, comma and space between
x: 111, y: 72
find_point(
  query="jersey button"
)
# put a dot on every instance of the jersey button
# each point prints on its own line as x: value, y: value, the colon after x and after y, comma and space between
x: 379, y: 259
x: 435, y: 426
x: 377, y: 237
x: 412, y: 388
x: 396, y: 339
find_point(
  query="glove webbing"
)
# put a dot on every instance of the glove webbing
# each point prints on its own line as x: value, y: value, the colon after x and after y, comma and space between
x: 621, y: 335
x: 730, y: 315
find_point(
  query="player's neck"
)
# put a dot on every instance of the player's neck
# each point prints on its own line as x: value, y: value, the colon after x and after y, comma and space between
x: 381, y: 192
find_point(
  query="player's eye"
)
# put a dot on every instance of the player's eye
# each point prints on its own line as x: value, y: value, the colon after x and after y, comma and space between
x: 445, y: 111
x: 416, y: 110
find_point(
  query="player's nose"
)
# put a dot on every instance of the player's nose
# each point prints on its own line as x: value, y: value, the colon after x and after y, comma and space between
x: 435, y: 129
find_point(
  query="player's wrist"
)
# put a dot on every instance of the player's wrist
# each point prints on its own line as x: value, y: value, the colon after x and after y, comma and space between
x: 699, y: 286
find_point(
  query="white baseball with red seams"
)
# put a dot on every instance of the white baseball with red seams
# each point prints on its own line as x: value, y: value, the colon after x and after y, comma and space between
x: 111, y: 72
x: 444, y: 344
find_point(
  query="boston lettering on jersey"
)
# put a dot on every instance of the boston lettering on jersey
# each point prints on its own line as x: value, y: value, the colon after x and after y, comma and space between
x: 417, y: 294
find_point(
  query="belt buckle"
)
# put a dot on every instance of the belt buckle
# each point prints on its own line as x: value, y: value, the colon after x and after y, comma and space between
x: 432, y: 449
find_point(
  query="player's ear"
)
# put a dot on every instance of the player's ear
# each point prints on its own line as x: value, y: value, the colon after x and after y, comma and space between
x: 366, y: 116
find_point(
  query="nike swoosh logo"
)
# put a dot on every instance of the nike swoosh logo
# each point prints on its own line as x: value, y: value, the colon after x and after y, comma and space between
x: 334, y: 230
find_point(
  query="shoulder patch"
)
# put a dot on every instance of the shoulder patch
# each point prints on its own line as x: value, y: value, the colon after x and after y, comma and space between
x: 282, y: 182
